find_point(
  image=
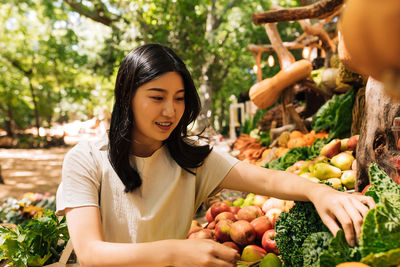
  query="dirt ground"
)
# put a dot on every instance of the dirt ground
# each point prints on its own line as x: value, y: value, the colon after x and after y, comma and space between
x: 30, y: 170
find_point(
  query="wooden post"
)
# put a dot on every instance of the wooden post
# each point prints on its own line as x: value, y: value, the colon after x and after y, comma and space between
x: 257, y: 56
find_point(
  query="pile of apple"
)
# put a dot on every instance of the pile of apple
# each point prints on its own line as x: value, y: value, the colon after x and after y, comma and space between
x: 247, y: 228
x: 335, y: 164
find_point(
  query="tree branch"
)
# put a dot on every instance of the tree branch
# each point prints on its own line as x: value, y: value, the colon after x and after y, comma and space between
x: 321, y: 9
x: 100, y: 13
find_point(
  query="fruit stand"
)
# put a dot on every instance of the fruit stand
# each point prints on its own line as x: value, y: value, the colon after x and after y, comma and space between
x: 350, y: 143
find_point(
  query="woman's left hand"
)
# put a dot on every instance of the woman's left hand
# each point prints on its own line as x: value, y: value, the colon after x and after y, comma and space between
x: 342, y: 209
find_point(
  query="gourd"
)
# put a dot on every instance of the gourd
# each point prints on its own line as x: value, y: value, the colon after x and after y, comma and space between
x: 371, y: 34
x: 265, y: 93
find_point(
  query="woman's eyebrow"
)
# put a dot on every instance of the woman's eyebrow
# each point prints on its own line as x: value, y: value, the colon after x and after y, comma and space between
x: 163, y: 90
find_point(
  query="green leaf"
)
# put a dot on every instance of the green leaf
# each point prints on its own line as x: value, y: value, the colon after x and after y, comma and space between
x: 383, y: 259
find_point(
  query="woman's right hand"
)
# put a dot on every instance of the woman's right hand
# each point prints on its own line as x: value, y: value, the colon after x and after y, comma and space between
x: 203, y: 252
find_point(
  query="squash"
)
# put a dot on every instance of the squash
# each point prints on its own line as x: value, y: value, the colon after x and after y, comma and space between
x: 371, y: 34
x: 265, y: 93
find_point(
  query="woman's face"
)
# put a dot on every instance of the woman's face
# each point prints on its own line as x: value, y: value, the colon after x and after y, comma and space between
x: 158, y: 107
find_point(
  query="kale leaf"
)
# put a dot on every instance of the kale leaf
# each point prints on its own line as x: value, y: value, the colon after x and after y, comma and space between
x: 339, y: 251
x: 313, y: 246
x: 292, y: 230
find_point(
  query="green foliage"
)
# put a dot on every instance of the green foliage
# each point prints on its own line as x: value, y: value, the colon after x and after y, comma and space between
x: 380, y: 236
x: 297, y: 153
x: 335, y: 115
x: 251, y: 124
x: 35, y: 244
x: 292, y: 230
x: 313, y: 246
x: 339, y: 251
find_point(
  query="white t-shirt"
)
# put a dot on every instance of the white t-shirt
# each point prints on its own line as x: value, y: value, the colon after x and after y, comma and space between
x: 161, y: 208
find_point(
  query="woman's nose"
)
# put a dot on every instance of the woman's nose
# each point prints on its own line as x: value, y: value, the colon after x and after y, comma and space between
x: 169, y: 108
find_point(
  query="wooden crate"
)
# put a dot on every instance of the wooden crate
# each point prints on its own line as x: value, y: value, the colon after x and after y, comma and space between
x: 65, y: 255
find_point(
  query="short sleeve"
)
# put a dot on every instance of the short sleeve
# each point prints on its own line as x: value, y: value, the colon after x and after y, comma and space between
x: 210, y: 175
x: 81, y: 178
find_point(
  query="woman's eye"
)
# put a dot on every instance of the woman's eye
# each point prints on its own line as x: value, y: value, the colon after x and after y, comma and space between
x: 180, y: 98
x: 156, y: 97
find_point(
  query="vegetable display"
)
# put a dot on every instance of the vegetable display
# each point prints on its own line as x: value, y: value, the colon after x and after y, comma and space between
x: 335, y: 115
x: 39, y: 242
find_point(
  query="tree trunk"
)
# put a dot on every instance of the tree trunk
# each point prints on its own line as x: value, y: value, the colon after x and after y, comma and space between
x: 376, y: 141
x: 10, y: 123
x: 35, y: 106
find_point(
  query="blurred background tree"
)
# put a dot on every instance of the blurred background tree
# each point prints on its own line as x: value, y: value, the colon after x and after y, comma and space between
x: 58, y: 59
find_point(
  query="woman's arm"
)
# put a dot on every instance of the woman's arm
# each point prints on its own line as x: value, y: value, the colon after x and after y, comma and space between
x: 332, y: 206
x: 84, y: 226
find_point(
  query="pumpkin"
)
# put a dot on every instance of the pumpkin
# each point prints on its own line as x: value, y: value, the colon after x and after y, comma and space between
x: 371, y: 34
x: 265, y: 93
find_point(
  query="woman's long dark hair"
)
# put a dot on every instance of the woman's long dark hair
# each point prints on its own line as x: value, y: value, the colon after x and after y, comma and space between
x: 140, y: 66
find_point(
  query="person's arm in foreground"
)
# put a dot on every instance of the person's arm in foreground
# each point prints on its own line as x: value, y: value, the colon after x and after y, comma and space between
x: 334, y: 207
x: 84, y: 226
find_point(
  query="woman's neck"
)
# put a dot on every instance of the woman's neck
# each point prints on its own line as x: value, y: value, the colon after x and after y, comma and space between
x: 142, y: 149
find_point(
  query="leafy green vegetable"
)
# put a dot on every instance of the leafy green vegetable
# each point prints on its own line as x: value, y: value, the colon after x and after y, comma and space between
x: 339, y: 251
x: 251, y: 124
x: 380, y: 233
x: 335, y: 115
x: 313, y: 246
x: 292, y: 156
x: 382, y: 183
x: 369, y: 233
x: 383, y: 259
x: 292, y: 230
x: 40, y: 241
x: 297, y: 153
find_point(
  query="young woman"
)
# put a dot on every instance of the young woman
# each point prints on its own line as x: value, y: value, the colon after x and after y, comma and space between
x: 129, y: 199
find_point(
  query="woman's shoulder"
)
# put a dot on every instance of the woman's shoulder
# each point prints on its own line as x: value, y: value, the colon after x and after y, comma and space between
x: 89, y: 148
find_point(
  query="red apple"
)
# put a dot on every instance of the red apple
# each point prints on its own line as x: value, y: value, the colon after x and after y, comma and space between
x: 219, y: 207
x: 231, y: 245
x: 226, y: 215
x: 234, y: 209
x: 223, y: 230
x: 194, y: 227
x: 202, y: 234
x: 273, y: 203
x: 273, y: 215
x: 249, y: 213
x: 209, y: 217
x: 252, y: 253
x: 211, y: 225
x: 242, y: 232
x: 260, y: 225
x: 268, y: 241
